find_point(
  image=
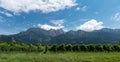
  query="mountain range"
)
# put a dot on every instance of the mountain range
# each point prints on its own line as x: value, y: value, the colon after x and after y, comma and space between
x: 38, y: 35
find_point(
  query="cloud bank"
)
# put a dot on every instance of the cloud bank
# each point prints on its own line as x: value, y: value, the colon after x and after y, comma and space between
x: 45, y: 6
x: 90, y: 25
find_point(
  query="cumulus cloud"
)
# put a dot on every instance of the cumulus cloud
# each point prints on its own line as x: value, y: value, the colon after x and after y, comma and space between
x: 90, y: 26
x: 6, y: 13
x: 49, y: 27
x: 58, y: 25
x: 45, y: 6
x: 116, y: 17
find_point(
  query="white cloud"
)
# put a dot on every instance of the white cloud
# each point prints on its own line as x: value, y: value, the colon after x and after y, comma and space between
x: 58, y: 25
x: 116, y: 17
x: 6, y: 13
x: 78, y: 8
x: 45, y: 6
x: 90, y: 26
x: 49, y: 27
x: 57, y: 22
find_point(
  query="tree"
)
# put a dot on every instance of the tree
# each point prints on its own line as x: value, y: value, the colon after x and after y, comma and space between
x: 68, y: 47
x: 25, y: 47
x: 99, y: 48
x: 61, y: 47
x: 83, y: 48
x: 116, y: 48
x: 4, y: 47
x: 46, y: 49
x: 53, y: 48
x: 75, y: 48
x: 32, y: 48
x: 91, y: 48
x: 40, y: 48
x: 107, y: 48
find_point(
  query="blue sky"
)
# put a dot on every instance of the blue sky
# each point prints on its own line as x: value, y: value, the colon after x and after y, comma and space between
x: 87, y: 15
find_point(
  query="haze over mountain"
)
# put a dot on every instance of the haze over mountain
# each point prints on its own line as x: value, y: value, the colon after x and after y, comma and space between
x: 38, y: 35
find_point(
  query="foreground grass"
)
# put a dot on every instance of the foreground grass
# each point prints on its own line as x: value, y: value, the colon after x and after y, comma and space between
x: 60, y: 57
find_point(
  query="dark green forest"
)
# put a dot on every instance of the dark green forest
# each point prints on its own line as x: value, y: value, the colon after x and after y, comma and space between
x: 23, y: 47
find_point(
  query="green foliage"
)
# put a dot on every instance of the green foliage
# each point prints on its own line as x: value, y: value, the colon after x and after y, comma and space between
x: 75, y: 48
x: 22, y: 47
x: 61, y: 47
x: 108, y: 48
x: 46, y: 49
x: 99, y: 48
x: 10, y: 47
x: 53, y: 48
x: 91, y: 48
x: 83, y: 48
x: 69, y: 47
x: 40, y: 48
x: 116, y: 48
x: 32, y: 48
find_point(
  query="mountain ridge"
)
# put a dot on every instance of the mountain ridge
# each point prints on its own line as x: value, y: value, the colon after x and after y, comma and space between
x: 38, y: 35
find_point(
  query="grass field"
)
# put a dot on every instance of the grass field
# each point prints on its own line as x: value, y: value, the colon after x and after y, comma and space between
x: 60, y: 57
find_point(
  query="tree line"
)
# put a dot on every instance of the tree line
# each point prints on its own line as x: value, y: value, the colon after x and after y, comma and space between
x: 23, y: 47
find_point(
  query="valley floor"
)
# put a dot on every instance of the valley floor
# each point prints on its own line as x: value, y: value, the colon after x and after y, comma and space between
x: 60, y: 57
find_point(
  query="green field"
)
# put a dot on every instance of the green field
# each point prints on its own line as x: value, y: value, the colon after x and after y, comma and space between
x: 60, y: 57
